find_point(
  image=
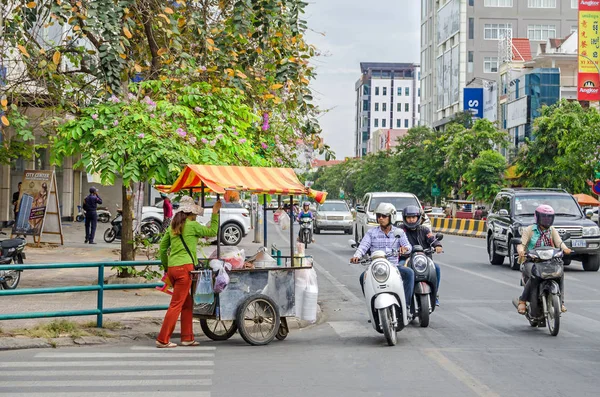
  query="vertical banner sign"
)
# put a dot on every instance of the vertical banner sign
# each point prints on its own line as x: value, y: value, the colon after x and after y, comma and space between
x: 589, y: 51
x: 38, y: 206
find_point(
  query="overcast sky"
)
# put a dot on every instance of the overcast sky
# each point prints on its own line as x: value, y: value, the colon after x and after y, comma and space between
x: 349, y: 32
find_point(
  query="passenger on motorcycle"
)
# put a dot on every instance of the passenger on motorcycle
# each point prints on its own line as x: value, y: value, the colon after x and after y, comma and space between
x: 419, y: 235
x: 382, y: 239
x: 305, y: 212
x: 540, y: 234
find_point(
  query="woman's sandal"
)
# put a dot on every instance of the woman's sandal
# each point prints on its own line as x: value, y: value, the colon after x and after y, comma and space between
x: 190, y: 343
x: 522, y: 308
x: 165, y: 345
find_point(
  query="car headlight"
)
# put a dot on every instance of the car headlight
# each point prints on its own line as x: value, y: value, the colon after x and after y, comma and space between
x: 591, y: 231
x: 545, y: 255
x: 319, y: 216
x: 348, y: 217
x: 420, y: 263
x: 381, y: 271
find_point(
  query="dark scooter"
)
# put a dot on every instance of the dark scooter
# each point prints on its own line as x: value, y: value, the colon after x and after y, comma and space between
x: 425, y: 281
x: 305, y: 233
x: 12, y: 252
x: 149, y: 229
x: 544, y: 306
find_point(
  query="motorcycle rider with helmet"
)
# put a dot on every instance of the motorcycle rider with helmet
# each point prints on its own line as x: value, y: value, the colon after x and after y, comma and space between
x: 540, y: 234
x: 382, y: 239
x: 419, y: 235
x: 305, y: 212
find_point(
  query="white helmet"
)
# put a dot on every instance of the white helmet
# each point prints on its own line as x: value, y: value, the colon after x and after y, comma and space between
x: 388, y: 210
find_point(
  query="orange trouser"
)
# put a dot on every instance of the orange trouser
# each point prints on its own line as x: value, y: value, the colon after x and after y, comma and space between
x: 181, y: 303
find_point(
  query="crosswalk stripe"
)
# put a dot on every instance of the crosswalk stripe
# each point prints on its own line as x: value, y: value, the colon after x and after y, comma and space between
x: 114, y: 394
x: 160, y: 364
x: 109, y: 372
x: 176, y: 350
x: 121, y: 355
x: 103, y: 383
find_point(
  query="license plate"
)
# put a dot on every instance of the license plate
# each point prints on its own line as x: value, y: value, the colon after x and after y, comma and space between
x: 335, y: 218
x: 578, y: 243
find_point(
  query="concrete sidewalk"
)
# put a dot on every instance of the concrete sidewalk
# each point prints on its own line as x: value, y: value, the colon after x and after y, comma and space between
x: 135, y: 325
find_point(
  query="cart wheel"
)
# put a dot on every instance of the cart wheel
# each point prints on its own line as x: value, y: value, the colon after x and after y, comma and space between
x: 283, y: 331
x: 218, y: 329
x: 258, y: 320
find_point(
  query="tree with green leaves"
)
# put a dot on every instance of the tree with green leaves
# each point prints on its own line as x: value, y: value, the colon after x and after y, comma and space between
x: 485, y: 176
x: 564, y: 150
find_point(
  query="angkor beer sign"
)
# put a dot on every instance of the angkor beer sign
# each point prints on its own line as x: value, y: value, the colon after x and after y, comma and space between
x: 588, y: 87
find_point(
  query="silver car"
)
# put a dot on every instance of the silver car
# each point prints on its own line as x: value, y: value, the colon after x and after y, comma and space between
x: 333, y: 215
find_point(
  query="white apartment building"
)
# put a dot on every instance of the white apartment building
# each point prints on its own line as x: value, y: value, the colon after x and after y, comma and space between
x: 387, y: 97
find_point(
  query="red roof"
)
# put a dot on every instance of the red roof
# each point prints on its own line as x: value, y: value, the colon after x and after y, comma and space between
x: 521, y: 50
x: 323, y: 163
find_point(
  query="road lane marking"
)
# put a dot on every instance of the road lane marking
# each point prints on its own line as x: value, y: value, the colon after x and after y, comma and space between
x: 43, y: 364
x: 196, y: 348
x: 474, y: 246
x: 480, y: 275
x: 120, y: 355
x: 459, y: 373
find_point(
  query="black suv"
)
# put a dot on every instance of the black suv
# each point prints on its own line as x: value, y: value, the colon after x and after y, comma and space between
x: 513, y: 210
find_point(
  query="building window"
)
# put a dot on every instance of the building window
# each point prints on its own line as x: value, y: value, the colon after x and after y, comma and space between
x: 541, y: 32
x: 541, y: 3
x: 419, y: 92
x: 418, y: 108
x: 384, y: 90
x: 398, y: 107
x: 574, y: 3
x: 376, y: 90
x: 365, y: 105
x: 490, y: 64
x: 496, y: 31
x: 470, y: 57
x: 406, y: 91
x: 383, y: 123
x: 365, y: 90
x: 384, y: 107
x: 405, y: 123
x: 376, y: 123
x: 498, y: 3
x: 471, y: 28
x: 406, y: 105
x: 400, y: 91
x: 376, y: 106
x: 471, y: 3
x: 398, y: 123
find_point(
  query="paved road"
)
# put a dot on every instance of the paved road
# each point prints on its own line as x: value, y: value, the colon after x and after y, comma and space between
x: 476, y: 345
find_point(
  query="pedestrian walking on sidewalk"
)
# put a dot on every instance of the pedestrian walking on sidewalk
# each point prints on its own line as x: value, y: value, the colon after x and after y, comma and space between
x: 178, y: 256
x: 90, y: 207
x: 167, y: 211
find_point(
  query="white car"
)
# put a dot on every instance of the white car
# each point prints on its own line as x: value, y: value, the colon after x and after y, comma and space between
x: 235, y: 219
x: 365, y: 213
x: 436, y: 212
x: 333, y: 215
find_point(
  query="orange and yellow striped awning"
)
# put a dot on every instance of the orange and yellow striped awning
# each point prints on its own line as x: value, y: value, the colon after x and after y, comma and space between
x: 261, y: 180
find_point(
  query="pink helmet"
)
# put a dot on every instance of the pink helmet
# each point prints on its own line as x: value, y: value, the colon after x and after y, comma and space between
x: 544, y: 216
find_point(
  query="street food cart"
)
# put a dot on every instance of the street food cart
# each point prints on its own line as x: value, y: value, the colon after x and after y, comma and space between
x: 256, y: 302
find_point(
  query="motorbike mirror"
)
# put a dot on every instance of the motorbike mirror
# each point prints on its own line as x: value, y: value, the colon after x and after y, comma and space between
x: 516, y: 241
x: 398, y: 233
x: 352, y: 243
x: 439, y: 236
x: 589, y: 214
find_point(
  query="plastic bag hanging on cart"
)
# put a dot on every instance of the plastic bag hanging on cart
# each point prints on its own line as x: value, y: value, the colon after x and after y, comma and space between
x: 204, y: 288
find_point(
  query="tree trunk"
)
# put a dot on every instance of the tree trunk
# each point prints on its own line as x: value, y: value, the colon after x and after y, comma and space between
x: 127, y: 252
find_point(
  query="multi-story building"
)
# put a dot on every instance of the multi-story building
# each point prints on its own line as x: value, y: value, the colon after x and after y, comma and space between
x: 385, y: 139
x: 387, y: 96
x: 459, y: 44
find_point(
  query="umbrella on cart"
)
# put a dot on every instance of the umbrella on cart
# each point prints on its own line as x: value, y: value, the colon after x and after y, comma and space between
x: 586, y: 200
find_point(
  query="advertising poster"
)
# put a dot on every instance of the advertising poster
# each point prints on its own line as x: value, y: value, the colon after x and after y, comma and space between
x: 473, y: 101
x: 589, y: 51
x: 38, y: 206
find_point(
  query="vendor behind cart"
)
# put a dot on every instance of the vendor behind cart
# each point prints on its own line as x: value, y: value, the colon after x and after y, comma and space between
x: 178, y: 255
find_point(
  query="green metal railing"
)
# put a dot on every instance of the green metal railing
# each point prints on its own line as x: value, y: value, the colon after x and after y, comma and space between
x: 100, y: 287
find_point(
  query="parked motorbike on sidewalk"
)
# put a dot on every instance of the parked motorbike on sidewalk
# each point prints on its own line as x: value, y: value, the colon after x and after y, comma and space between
x: 425, y: 281
x: 305, y: 233
x: 544, y: 306
x: 148, y: 229
x: 384, y: 294
x: 12, y: 252
x: 103, y: 214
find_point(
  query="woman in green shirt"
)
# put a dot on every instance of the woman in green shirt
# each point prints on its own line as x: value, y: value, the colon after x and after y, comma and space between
x: 178, y: 256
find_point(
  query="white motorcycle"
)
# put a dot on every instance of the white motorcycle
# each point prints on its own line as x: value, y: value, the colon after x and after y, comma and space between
x: 384, y: 295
